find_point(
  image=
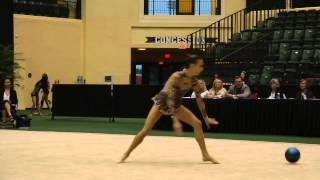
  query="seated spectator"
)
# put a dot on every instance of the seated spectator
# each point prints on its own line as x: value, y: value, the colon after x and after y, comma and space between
x: 275, y: 93
x: 217, y: 91
x: 243, y: 75
x: 8, y: 100
x: 304, y: 92
x: 239, y: 90
x: 202, y: 89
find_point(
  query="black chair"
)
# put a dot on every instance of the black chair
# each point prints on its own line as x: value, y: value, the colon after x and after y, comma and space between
x: 307, y: 56
x: 309, y: 34
x: 295, y: 57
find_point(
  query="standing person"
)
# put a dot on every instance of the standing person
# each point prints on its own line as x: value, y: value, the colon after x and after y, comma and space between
x: 46, y: 91
x: 9, y: 99
x: 41, y: 84
x: 169, y: 102
x: 304, y: 93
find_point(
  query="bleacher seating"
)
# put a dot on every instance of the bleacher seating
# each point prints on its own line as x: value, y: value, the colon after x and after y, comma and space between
x: 294, y: 47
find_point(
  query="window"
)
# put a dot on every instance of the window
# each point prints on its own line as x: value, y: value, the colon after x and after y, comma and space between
x: 138, y: 74
x: 181, y: 7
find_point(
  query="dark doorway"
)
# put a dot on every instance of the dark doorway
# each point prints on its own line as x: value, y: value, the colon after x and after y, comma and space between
x: 154, y: 66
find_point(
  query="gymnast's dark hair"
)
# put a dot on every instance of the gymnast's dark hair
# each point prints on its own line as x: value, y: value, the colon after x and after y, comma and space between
x: 191, y: 59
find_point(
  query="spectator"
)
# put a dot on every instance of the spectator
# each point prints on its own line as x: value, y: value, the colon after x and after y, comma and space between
x: 304, y: 92
x: 8, y: 101
x: 275, y: 92
x: 202, y: 89
x: 41, y: 84
x: 243, y: 76
x: 239, y: 90
x: 217, y: 91
x: 46, y: 91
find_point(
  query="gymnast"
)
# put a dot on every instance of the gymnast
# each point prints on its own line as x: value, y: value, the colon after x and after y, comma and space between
x: 169, y: 102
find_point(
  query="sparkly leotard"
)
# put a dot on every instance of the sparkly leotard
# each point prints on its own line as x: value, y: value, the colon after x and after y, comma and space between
x: 169, y: 99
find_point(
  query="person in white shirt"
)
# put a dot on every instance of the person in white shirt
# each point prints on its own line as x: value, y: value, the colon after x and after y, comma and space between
x: 203, y: 90
x: 275, y: 92
x: 217, y: 91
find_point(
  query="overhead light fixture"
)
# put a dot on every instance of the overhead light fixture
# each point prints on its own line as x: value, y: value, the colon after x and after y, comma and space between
x: 142, y: 49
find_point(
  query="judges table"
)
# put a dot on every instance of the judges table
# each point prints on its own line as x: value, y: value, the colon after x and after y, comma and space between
x: 286, y: 117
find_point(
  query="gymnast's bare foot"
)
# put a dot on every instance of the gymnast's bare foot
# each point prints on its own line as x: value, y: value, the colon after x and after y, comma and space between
x: 124, y: 157
x: 209, y: 158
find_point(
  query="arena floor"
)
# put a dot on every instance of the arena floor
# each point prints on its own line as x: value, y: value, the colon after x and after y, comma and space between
x: 28, y: 155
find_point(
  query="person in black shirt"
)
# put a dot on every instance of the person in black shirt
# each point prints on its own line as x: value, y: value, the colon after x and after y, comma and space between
x: 275, y: 92
x: 304, y: 92
x: 46, y: 91
x: 9, y: 100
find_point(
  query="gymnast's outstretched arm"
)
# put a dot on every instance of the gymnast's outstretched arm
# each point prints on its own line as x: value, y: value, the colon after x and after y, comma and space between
x: 202, y: 108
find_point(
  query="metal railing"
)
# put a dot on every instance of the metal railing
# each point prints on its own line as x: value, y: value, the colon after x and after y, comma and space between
x: 251, y: 52
x: 223, y: 30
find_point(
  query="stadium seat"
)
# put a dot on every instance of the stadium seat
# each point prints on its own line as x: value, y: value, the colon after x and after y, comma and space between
x: 275, y: 48
x: 309, y: 34
x: 298, y: 35
x: 278, y: 71
x: 265, y: 79
x: 246, y: 35
x: 288, y: 34
x: 290, y: 76
x: 236, y: 37
x: 308, y: 45
x: 295, y: 44
x: 260, y: 25
x: 267, y: 69
x: 305, y: 70
x: 253, y: 79
x: 295, y: 56
x: 277, y: 35
x: 284, y: 53
x: 317, y: 56
x: 300, y: 25
x: 307, y: 56
x: 256, y: 36
x: 270, y: 24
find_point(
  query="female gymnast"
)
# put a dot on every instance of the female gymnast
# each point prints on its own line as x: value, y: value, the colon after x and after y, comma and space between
x: 169, y: 102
